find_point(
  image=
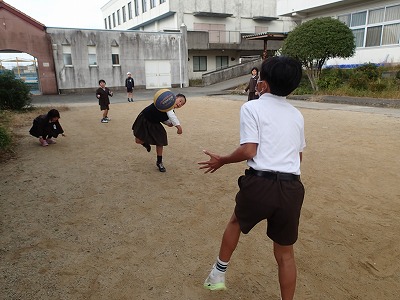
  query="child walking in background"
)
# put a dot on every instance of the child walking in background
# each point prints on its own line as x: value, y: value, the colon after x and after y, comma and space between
x: 46, y: 127
x: 271, y: 141
x: 252, y: 86
x: 148, y: 129
x: 102, y: 94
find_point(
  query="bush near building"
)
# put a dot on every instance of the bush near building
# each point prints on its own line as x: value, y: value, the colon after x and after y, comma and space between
x: 368, y: 80
x: 14, y: 93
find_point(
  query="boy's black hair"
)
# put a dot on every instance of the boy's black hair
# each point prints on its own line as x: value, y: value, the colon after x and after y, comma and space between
x: 254, y: 68
x: 53, y: 113
x: 102, y: 80
x: 282, y: 73
x: 181, y: 95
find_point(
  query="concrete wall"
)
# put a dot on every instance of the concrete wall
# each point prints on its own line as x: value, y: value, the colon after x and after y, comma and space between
x: 233, y: 72
x: 20, y: 33
x: 135, y: 48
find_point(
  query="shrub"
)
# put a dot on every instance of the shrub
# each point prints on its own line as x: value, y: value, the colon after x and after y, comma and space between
x: 15, y: 94
x: 370, y: 70
x: 5, y: 138
x: 331, y: 78
x: 358, y: 81
x: 377, y: 86
x: 398, y: 74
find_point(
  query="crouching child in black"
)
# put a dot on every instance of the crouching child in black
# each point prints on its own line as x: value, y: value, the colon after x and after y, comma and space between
x: 46, y: 127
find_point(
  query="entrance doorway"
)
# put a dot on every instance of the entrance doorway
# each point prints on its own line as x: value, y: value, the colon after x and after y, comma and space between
x: 24, y: 67
x: 158, y: 74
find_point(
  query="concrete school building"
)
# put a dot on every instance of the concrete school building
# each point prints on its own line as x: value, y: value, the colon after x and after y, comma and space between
x: 215, y: 27
x: 375, y: 25
x: 74, y: 60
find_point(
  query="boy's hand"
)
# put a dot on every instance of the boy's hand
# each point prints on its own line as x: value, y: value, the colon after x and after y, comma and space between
x: 63, y: 134
x: 213, y: 164
x: 179, y: 129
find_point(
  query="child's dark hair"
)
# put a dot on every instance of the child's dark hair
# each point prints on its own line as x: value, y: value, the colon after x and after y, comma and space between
x: 282, y: 73
x: 102, y: 80
x: 180, y: 95
x: 53, y: 113
x: 254, y: 68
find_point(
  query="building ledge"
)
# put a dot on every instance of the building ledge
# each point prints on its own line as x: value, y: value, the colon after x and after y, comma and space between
x: 263, y: 18
x: 211, y: 14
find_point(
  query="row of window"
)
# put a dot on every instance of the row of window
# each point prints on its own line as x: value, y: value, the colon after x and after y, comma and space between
x: 120, y: 16
x: 92, y: 56
x: 374, y: 27
x: 200, y: 63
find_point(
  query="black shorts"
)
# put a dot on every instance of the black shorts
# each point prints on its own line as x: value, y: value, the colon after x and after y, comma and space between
x: 277, y: 201
x: 104, y: 107
x: 129, y: 90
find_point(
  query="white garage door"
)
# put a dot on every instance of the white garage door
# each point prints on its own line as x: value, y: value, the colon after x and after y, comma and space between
x: 158, y: 74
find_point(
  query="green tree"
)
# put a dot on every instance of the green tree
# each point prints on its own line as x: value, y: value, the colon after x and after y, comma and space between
x: 14, y: 93
x: 316, y: 41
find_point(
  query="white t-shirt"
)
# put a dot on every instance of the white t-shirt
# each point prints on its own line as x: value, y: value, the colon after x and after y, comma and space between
x: 278, y: 129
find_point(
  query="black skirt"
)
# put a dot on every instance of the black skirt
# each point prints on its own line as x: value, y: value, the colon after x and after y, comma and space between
x: 148, y: 132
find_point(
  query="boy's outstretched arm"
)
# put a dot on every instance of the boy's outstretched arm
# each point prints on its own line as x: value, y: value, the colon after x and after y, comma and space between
x: 243, y: 152
x: 178, y: 129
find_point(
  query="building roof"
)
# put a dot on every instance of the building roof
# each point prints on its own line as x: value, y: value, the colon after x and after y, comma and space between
x: 21, y: 15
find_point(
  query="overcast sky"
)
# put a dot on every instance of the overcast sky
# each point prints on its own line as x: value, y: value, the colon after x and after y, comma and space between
x: 59, y: 13
x: 63, y: 13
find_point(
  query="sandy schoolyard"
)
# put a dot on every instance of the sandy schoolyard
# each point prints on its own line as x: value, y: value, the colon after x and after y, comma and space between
x: 92, y: 217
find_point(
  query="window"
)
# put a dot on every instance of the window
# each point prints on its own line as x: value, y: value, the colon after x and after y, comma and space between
x: 92, y: 57
x: 67, y: 57
x: 123, y: 14
x: 375, y: 27
x: 358, y: 19
x: 162, y: 1
x: 152, y: 4
x: 119, y: 17
x: 373, y: 36
x: 222, y: 62
x: 115, y: 55
x: 105, y: 23
x: 109, y: 22
x: 392, y: 13
x: 376, y: 16
x: 130, y: 11
x: 199, y: 63
x: 136, y: 3
x: 359, y: 37
x: 113, y: 19
x: 345, y: 19
x: 391, y: 34
x: 144, y: 6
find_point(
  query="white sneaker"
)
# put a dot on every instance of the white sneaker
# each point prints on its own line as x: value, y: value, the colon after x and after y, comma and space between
x: 215, y: 280
x: 104, y: 120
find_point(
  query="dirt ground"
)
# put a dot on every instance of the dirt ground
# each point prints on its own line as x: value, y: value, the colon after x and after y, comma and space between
x: 92, y: 217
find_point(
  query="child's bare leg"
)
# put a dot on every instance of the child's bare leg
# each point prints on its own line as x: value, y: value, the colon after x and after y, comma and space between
x: 287, y: 272
x: 230, y: 239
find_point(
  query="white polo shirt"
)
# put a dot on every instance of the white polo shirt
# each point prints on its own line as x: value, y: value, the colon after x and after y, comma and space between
x: 278, y: 129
